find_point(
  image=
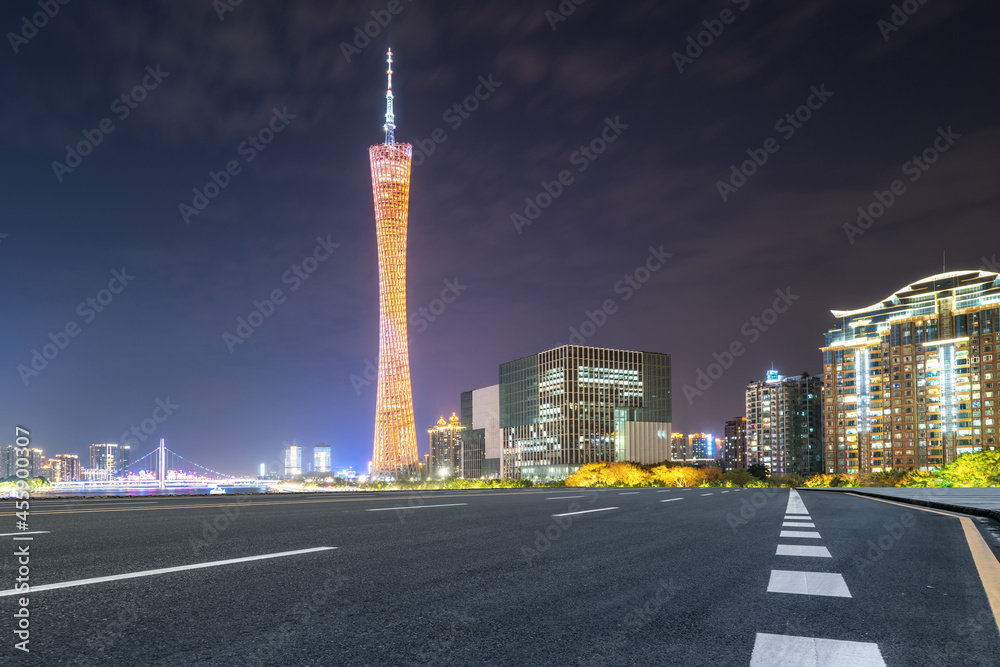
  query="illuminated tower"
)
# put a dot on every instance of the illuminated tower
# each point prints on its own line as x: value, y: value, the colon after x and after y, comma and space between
x: 395, y: 434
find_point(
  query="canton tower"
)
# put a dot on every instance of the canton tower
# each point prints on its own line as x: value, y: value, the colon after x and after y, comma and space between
x: 395, y: 453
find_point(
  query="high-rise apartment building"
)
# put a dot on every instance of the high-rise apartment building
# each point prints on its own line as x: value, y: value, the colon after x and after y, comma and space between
x: 735, y: 444
x: 701, y: 445
x: 482, y: 440
x: 321, y: 458
x: 784, y: 423
x: 293, y: 460
x: 679, y: 447
x: 64, y: 468
x: 8, y: 462
x: 106, y: 457
x: 123, y: 460
x: 395, y: 452
x: 445, y: 448
x: 70, y: 467
x: 573, y: 405
x: 912, y: 382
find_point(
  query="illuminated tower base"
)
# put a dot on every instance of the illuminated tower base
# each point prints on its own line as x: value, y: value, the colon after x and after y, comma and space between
x: 395, y: 453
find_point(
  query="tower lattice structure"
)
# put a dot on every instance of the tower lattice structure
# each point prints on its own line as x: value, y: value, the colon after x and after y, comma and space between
x: 395, y: 454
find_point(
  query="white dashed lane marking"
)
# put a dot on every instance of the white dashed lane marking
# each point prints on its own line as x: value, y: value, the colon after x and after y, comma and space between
x: 829, y: 584
x: 800, y: 533
x: 603, y: 509
x: 788, y: 651
x: 801, y: 550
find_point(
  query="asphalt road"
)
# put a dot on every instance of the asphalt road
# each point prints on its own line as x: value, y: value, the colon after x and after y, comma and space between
x: 654, y: 577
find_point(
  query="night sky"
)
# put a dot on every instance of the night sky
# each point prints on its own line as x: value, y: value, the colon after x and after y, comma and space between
x: 880, y: 94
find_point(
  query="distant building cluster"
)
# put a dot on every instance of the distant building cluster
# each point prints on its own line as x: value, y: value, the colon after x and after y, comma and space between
x: 320, y: 463
x: 107, y: 461
x: 910, y: 383
x: 694, y: 448
x: 555, y: 411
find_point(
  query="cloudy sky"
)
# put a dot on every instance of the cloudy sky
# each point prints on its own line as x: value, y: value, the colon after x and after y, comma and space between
x: 114, y: 114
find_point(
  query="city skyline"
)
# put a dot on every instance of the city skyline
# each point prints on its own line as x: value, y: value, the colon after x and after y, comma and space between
x: 151, y: 267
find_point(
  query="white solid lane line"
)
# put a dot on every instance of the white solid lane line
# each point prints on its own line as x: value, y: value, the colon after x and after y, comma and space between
x: 798, y: 524
x: 795, y: 505
x: 829, y: 584
x: 800, y: 550
x: 563, y: 497
x: 414, y: 507
x: 164, y: 570
x: 800, y: 533
x: 603, y: 509
x: 769, y: 650
x: 670, y: 500
x: 29, y: 532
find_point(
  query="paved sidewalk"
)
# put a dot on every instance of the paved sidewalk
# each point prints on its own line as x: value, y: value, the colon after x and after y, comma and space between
x: 979, y: 502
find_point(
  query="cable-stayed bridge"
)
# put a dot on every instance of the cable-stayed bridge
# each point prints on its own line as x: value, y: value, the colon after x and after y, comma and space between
x: 164, y: 469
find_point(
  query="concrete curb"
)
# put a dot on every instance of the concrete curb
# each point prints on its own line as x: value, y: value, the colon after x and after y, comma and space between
x: 960, y: 509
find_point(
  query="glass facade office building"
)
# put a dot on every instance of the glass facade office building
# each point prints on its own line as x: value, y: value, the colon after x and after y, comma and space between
x: 321, y: 458
x: 573, y: 405
x: 481, y: 437
x: 911, y: 382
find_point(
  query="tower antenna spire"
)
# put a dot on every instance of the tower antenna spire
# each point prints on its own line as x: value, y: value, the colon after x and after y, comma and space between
x: 390, y: 118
